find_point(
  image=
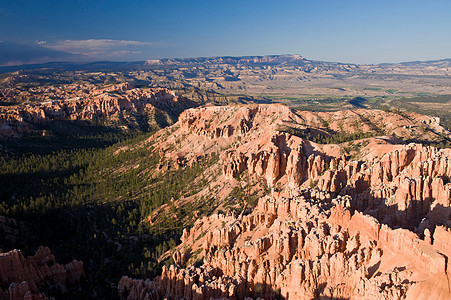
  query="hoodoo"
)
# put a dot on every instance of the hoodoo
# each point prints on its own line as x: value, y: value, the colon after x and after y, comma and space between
x: 370, y: 223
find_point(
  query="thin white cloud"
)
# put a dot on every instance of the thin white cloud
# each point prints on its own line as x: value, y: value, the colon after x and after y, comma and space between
x: 98, y: 47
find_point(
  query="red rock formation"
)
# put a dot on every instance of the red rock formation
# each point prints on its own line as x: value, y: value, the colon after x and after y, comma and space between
x: 138, y: 289
x: 22, y: 278
x: 401, y: 188
x: 398, y: 184
x: 301, y: 248
x: 332, y: 225
x: 92, y: 104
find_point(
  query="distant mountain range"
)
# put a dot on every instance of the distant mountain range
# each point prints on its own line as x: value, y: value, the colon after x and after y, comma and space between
x: 439, y: 63
x: 270, y: 60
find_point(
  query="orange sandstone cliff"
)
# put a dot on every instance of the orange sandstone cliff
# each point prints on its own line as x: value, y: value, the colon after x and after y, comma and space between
x: 26, y: 278
x: 363, y: 219
x: 108, y: 104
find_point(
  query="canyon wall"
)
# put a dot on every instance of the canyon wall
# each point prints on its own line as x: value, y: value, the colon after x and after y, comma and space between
x: 401, y: 185
x: 26, y: 278
x: 107, y: 104
x: 301, y: 247
x: 374, y: 225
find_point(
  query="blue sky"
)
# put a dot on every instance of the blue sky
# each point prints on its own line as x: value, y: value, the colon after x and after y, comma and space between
x: 371, y: 31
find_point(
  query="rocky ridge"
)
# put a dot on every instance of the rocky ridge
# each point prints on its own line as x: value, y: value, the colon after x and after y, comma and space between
x: 299, y: 247
x: 27, y: 278
x: 110, y: 104
x: 248, y: 129
x: 375, y: 226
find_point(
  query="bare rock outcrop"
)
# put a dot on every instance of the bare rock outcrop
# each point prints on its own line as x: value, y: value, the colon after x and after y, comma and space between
x: 301, y: 248
x: 89, y: 103
x: 23, y: 278
x: 400, y: 185
x: 374, y: 226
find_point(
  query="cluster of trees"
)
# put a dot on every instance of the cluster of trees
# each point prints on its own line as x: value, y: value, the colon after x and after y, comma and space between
x: 92, y: 203
x: 321, y: 137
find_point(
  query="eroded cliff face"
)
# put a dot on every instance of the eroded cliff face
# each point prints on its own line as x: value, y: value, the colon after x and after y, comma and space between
x: 401, y: 185
x: 27, y: 278
x: 110, y: 104
x: 374, y: 226
x: 300, y: 247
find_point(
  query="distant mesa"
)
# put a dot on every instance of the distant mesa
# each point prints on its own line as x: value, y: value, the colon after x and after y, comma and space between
x: 153, y: 62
